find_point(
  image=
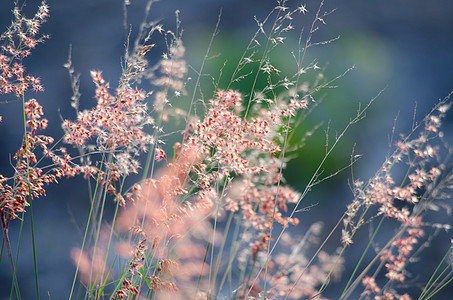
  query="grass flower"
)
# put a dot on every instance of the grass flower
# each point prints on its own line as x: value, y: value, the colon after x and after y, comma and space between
x: 216, y: 218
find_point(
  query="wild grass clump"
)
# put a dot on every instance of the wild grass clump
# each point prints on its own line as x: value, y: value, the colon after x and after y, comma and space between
x: 211, y: 216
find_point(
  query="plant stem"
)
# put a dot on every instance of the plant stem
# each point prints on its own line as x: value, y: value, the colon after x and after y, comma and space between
x: 35, y: 264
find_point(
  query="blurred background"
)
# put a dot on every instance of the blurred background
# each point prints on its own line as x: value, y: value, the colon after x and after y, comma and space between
x: 402, y: 47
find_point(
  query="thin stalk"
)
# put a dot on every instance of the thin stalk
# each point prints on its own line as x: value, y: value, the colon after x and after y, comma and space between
x: 98, y: 229
x: 204, y: 263
x: 109, y: 242
x: 35, y: 264
x: 441, y: 283
x: 199, y: 74
x: 1, y: 250
x: 15, y: 285
x: 222, y: 247
x: 314, y: 255
x: 246, y: 290
x: 444, y: 285
x: 14, y: 268
x: 5, y: 225
x: 86, y: 233
x: 214, y: 226
x: 362, y: 257
x: 426, y: 289
x: 262, y: 60
x: 370, y: 264
x: 233, y: 253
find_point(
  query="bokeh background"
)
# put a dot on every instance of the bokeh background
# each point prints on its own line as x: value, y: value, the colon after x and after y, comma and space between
x: 402, y: 47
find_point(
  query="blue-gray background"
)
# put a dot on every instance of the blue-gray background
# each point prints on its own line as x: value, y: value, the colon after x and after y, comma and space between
x: 403, y: 46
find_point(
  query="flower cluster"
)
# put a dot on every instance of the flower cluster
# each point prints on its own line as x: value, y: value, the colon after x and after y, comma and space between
x: 173, y: 68
x: 28, y: 180
x: 262, y: 204
x: 217, y: 212
x: 225, y: 138
x: 233, y: 146
x: 167, y: 217
x: 402, y: 202
x: 18, y: 41
x: 116, y: 123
